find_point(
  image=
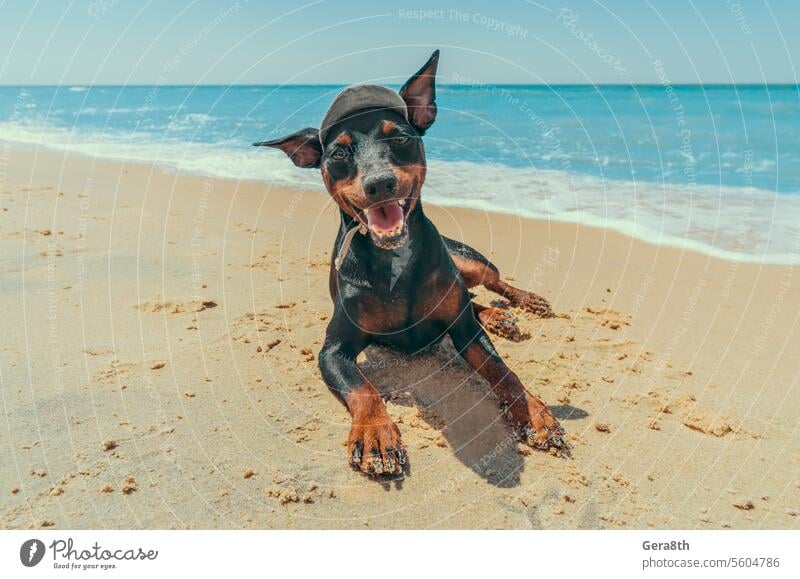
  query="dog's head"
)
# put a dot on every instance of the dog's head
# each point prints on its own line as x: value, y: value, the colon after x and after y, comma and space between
x: 370, y: 152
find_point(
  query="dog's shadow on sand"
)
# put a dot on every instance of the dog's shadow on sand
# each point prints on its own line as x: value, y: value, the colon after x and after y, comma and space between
x: 457, y: 402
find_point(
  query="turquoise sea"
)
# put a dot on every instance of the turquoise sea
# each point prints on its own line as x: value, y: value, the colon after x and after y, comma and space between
x: 709, y: 168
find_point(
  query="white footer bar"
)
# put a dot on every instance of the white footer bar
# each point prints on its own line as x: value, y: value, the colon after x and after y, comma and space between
x: 400, y: 553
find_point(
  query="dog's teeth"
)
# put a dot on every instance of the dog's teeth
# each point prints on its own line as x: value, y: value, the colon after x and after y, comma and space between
x: 402, y: 203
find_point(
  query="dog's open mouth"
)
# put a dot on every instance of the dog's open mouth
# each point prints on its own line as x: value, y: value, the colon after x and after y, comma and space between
x: 387, y: 223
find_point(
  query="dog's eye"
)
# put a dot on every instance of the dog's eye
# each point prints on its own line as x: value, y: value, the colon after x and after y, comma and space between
x: 402, y: 140
x: 338, y: 154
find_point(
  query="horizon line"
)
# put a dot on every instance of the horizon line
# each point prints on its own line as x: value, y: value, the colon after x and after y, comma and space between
x: 441, y: 84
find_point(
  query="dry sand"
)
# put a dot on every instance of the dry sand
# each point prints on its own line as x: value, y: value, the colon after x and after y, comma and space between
x: 158, y: 371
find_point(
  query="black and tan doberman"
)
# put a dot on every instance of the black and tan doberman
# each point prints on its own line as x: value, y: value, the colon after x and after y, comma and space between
x: 399, y: 282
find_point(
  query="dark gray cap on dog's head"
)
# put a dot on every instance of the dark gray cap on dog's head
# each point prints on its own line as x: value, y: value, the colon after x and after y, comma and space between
x: 359, y: 97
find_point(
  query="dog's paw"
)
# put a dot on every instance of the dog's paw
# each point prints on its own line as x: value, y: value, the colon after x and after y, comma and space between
x: 375, y: 448
x: 502, y: 323
x: 535, y: 425
x: 534, y: 304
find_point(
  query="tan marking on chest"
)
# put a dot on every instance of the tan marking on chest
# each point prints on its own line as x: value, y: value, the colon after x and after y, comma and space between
x: 439, y: 302
x: 377, y: 317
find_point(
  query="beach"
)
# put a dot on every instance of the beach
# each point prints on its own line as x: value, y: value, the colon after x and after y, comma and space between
x: 159, y: 370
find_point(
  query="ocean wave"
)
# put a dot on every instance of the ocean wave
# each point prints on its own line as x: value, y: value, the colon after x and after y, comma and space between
x: 189, y: 120
x: 736, y: 223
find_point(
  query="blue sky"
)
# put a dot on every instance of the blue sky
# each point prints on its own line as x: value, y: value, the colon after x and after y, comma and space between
x: 336, y: 42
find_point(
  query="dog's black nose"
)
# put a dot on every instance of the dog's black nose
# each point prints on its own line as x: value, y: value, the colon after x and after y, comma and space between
x: 380, y: 185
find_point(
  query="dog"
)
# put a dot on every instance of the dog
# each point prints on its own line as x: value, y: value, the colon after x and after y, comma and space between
x: 394, y: 280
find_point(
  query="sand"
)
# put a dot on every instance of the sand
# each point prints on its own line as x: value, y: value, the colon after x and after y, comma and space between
x: 158, y: 370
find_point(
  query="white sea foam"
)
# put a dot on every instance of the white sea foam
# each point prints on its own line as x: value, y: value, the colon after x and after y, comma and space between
x: 737, y: 223
x: 188, y: 121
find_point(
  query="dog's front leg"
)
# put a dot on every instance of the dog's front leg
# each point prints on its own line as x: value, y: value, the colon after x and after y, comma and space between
x: 531, y: 418
x: 373, y: 444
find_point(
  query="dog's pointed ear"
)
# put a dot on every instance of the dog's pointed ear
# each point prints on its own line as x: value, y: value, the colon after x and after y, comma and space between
x: 419, y: 94
x: 302, y: 147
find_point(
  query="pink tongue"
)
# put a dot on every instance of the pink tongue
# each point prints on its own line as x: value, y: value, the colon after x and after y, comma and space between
x: 385, y: 218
